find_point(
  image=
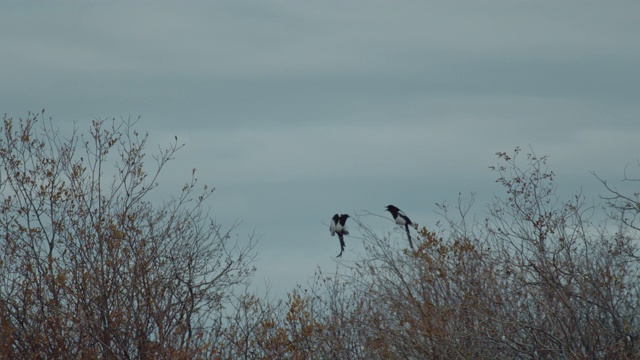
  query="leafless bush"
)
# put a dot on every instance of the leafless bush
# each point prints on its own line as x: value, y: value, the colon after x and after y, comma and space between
x: 537, y: 279
x: 90, y: 266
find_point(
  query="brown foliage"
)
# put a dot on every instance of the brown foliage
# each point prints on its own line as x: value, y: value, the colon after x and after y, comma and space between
x: 91, y: 267
x: 534, y: 280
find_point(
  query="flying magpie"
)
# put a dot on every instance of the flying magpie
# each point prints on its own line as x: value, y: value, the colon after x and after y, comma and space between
x: 401, y: 219
x: 338, y: 227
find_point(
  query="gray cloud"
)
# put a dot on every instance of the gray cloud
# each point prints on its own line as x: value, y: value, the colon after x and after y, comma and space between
x: 310, y: 108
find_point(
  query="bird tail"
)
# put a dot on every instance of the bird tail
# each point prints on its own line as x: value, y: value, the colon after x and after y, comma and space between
x: 406, y: 226
x: 341, y: 237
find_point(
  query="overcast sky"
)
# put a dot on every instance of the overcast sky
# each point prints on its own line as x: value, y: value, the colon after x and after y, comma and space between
x: 296, y: 110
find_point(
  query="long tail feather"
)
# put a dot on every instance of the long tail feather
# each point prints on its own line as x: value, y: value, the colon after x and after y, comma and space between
x: 341, y: 244
x: 406, y: 226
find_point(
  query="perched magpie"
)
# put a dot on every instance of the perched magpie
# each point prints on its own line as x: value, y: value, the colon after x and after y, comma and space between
x: 401, y: 219
x: 338, y: 227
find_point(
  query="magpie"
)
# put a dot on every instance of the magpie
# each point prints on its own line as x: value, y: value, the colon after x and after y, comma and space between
x: 338, y: 227
x: 401, y: 219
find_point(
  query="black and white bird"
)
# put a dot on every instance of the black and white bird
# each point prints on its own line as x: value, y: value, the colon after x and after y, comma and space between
x: 401, y: 219
x: 338, y: 227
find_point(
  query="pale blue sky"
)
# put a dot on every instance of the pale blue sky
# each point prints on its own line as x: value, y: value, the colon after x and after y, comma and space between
x: 311, y: 108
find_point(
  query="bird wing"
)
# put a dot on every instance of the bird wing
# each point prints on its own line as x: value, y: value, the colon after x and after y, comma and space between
x: 343, y: 226
x: 335, y: 222
x: 405, y: 218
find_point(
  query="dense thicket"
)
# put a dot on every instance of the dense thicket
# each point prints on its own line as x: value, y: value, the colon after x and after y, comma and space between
x: 90, y: 267
x: 535, y: 279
